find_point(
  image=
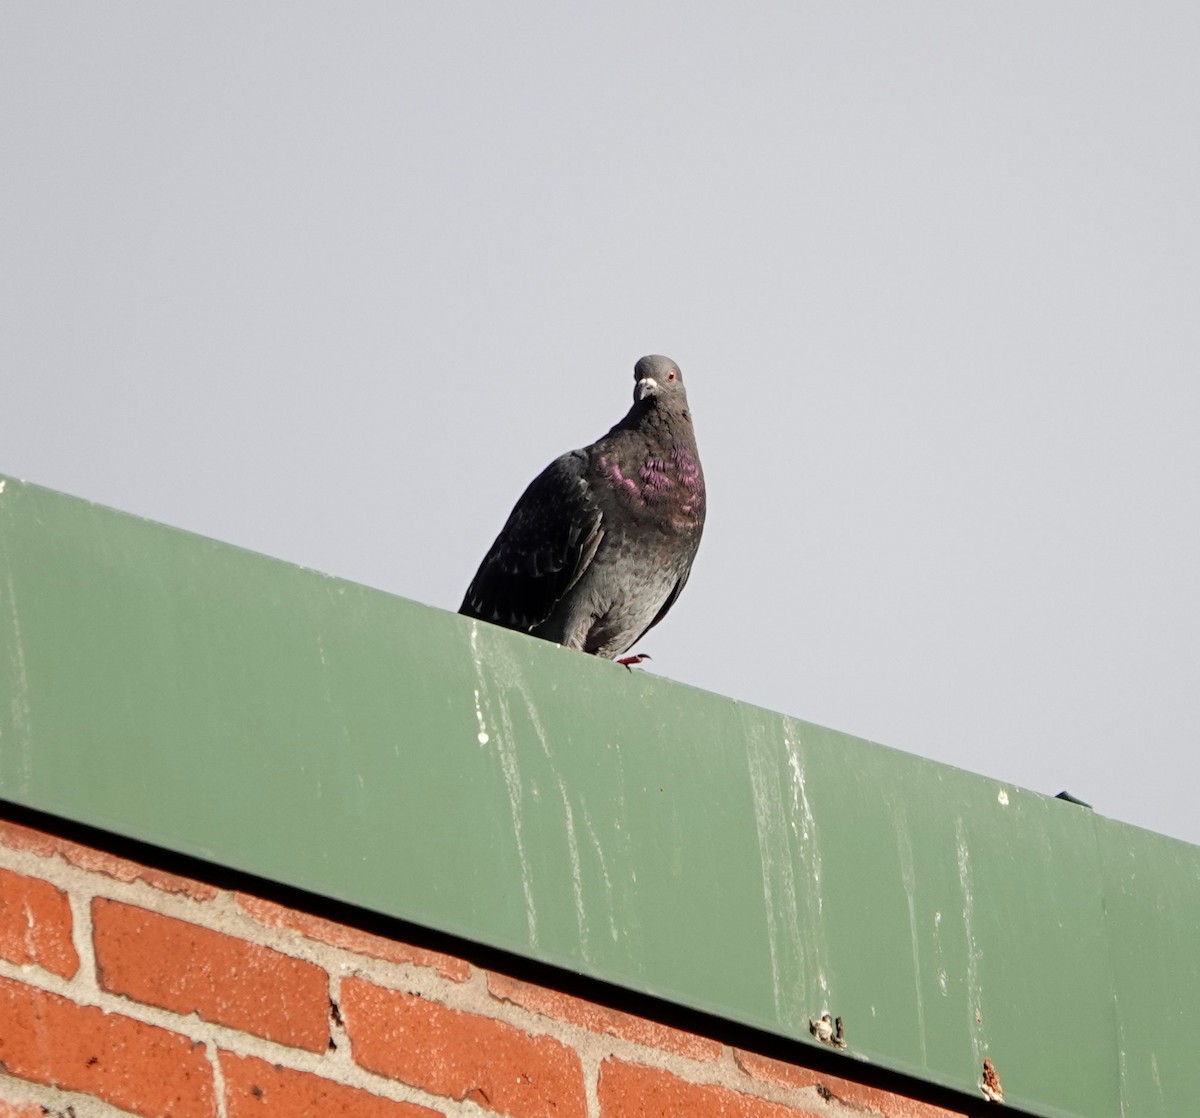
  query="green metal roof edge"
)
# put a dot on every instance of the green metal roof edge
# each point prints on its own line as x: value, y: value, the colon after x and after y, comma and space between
x: 727, y: 858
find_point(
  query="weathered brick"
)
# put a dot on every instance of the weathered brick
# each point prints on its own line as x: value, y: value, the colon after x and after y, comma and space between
x: 601, y: 1019
x: 186, y: 968
x: 16, y: 837
x: 138, y: 1067
x: 777, y: 1072
x: 632, y: 1091
x: 351, y: 939
x: 461, y: 1055
x: 35, y: 924
x: 767, y: 1070
x: 257, y: 1089
x: 21, y: 1110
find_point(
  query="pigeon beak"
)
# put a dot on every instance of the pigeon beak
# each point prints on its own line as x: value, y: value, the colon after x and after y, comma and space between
x: 647, y: 386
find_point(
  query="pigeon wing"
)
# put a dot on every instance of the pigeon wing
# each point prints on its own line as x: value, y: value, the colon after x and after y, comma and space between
x: 547, y: 543
x: 676, y: 590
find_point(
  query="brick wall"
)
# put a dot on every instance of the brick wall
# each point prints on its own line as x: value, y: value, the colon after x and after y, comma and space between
x: 127, y: 990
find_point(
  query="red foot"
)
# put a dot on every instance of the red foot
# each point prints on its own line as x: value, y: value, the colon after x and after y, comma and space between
x: 629, y: 661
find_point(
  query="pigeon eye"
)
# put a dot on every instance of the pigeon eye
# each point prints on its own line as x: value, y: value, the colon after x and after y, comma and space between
x: 671, y: 375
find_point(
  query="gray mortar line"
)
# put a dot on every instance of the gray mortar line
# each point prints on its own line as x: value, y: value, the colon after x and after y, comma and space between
x: 214, y: 1059
x: 55, y: 1101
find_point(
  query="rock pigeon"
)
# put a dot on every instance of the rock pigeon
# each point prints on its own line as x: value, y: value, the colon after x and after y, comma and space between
x: 602, y: 541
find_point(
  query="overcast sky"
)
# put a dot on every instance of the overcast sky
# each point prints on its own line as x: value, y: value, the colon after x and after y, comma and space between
x: 333, y: 282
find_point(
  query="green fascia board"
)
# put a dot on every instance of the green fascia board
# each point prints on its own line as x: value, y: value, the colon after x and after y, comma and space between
x: 732, y: 860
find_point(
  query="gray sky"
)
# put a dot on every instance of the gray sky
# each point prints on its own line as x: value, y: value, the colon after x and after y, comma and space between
x: 334, y: 282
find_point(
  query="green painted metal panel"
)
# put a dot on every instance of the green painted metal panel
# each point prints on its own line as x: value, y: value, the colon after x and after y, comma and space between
x: 406, y: 760
x: 1152, y: 902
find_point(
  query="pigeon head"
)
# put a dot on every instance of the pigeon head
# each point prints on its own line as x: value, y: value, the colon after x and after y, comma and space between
x: 659, y: 380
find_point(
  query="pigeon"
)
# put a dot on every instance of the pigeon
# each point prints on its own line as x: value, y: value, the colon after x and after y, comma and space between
x: 601, y: 543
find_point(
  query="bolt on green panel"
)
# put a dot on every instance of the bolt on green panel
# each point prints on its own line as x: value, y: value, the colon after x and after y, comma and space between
x: 401, y: 758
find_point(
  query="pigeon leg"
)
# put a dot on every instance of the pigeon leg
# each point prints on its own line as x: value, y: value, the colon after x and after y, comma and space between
x: 628, y: 661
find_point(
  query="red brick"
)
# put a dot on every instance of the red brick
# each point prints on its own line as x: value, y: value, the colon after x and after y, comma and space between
x: 601, y: 1019
x: 766, y: 1070
x: 21, y: 1110
x: 35, y: 924
x: 633, y: 1091
x: 776, y: 1071
x: 16, y: 837
x: 461, y: 1055
x: 189, y: 969
x: 351, y: 939
x: 256, y: 1089
x: 150, y: 1071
